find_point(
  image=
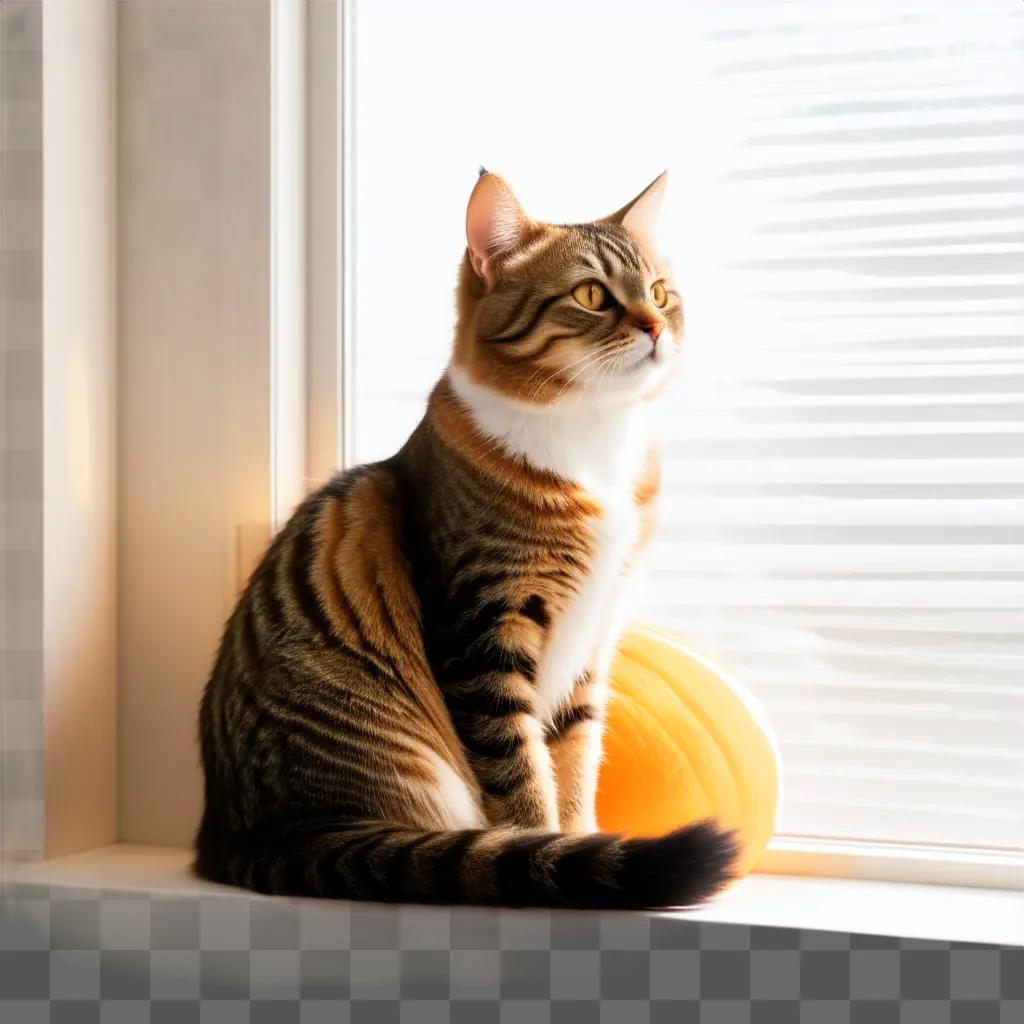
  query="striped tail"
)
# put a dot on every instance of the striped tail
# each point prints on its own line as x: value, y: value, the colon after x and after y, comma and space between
x: 384, y: 862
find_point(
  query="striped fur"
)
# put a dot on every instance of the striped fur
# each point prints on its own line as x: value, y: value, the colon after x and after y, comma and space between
x: 407, y: 700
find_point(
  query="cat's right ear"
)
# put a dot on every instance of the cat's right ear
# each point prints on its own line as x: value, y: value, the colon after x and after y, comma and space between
x: 495, y: 223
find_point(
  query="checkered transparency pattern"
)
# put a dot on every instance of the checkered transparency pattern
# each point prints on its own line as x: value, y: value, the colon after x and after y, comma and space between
x: 134, y: 956
x: 21, y: 430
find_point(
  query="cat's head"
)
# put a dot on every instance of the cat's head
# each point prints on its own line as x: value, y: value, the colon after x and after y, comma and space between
x: 565, y: 312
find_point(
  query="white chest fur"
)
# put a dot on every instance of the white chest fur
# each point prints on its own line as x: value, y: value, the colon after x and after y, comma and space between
x: 601, y: 450
x: 582, y: 637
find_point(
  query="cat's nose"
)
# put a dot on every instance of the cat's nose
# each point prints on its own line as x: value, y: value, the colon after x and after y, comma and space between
x: 650, y: 325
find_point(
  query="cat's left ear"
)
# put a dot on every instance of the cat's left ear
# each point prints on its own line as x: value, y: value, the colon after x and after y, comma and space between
x: 495, y: 223
x: 640, y: 215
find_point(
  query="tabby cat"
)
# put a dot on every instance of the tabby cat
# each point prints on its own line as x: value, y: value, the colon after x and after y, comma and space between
x: 407, y: 700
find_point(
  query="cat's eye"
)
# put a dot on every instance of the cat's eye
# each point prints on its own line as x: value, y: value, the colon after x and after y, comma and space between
x: 659, y: 294
x: 590, y: 295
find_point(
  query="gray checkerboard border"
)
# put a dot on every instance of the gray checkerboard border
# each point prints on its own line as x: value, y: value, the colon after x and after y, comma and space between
x: 21, y: 430
x: 129, y: 955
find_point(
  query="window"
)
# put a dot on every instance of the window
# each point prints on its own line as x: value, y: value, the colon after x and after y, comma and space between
x: 844, y: 456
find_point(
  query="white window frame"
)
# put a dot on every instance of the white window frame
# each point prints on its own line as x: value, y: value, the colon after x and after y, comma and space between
x: 331, y: 229
x: 330, y: 415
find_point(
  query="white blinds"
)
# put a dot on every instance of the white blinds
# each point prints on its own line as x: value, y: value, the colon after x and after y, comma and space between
x: 843, y: 523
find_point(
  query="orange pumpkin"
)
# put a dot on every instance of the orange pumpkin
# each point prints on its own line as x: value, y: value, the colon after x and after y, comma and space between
x: 684, y: 742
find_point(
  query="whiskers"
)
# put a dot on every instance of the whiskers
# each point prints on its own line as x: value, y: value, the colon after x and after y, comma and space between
x: 607, y: 363
x: 602, y: 363
x: 543, y: 383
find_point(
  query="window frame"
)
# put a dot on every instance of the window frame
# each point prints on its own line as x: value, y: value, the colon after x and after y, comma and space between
x: 331, y: 223
x: 332, y: 231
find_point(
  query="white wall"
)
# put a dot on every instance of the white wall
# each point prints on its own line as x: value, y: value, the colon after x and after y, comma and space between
x: 79, y: 342
x: 204, y: 213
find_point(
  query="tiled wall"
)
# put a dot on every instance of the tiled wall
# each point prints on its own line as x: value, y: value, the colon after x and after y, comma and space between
x: 21, y: 429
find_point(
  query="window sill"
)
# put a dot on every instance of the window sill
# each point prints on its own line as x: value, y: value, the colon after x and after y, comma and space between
x: 851, y: 905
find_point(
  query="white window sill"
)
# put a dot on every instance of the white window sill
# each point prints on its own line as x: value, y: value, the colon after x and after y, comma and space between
x: 899, y: 909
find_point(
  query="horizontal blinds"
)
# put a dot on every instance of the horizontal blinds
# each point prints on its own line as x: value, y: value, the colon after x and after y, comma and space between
x: 843, y: 522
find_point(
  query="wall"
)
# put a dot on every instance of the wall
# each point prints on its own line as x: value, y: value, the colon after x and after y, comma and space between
x: 79, y: 382
x: 211, y: 438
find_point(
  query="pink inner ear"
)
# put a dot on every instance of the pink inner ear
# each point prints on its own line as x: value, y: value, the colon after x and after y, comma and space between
x: 478, y: 231
x: 494, y: 222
